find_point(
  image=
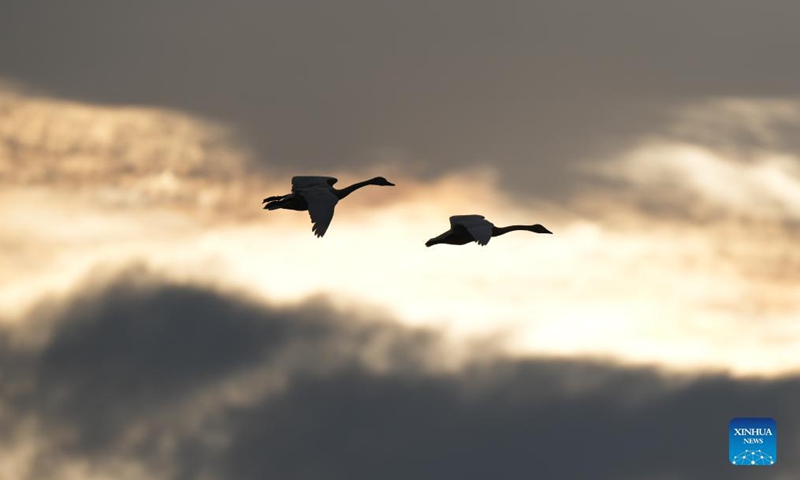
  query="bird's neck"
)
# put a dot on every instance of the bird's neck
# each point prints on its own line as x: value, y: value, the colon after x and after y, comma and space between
x: 497, y: 231
x: 352, y: 188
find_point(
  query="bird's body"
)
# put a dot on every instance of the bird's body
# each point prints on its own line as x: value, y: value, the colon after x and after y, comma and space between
x: 475, y: 228
x: 316, y: 195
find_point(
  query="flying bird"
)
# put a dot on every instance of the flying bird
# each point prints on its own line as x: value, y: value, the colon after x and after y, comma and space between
x: 317, y: 195
x: 475, y: 228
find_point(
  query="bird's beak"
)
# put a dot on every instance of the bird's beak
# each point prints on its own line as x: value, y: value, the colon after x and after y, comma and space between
x: 390, y: 184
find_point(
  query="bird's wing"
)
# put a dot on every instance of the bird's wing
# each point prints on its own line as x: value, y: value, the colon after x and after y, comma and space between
x: 299, y: 183
x: 321, y: 202
x: 462, y: 219
x: 476, y: 225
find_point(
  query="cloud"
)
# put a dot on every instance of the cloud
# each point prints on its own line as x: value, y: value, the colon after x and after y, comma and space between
x: 696, y: 182
x: 532, y: 88
x: 160, y: 380
x: 740, y: 127
x: 117, y: 157
x: 660, y: 143
x: 714, y: 229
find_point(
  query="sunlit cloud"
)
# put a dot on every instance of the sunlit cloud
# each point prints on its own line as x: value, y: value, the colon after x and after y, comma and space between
x: 88, y: 187
x: 767, y: 188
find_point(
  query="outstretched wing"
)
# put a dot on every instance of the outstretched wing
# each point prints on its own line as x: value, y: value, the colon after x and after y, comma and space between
x: 478, y: 227
x: 299, y: 183
x: 321, y: 202
x: 462, y: 219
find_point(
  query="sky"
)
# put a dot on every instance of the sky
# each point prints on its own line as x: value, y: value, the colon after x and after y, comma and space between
x: 156, y: 323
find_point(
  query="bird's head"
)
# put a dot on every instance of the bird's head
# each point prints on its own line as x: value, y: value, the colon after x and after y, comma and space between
x: 539, y: 229
x: 382, y: 182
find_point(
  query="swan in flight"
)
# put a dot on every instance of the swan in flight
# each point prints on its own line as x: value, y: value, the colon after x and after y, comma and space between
x: 475, y: 228
x: 317, y: 195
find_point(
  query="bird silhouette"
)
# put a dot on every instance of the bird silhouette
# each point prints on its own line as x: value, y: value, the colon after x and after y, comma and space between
x: 475, y: 228
x: 317, y: 195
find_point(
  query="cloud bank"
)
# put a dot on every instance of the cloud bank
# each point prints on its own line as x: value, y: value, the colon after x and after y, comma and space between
x: 533, y: 88
x: 681, y: 256
x: 142, y: 378
x: 659, y: 143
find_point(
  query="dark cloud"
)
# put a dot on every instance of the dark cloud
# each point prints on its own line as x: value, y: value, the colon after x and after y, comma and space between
x: 531, y: 87
x: 130, y: 373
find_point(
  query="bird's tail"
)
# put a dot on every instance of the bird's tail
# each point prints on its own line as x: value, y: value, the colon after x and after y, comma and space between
x: 272, y: 199
x: 272, y: 205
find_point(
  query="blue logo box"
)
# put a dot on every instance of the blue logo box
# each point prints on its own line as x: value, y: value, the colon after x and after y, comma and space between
x: 752, y: 441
